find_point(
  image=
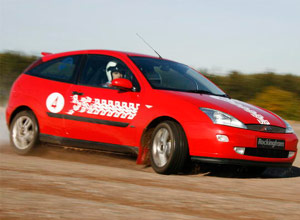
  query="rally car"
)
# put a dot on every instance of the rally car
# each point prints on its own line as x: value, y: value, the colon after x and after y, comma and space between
x: 154, y: 107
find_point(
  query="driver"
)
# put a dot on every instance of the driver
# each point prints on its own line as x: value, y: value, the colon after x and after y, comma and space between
x: 113, y: 71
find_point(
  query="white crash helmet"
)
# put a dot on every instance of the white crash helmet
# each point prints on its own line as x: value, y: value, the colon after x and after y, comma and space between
x: 111, y: 67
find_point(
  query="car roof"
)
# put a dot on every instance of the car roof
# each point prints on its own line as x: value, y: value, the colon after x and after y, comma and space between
x: 49, y: 56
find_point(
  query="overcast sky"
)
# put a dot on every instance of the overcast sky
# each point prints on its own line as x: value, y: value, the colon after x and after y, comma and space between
x: 219, y: 35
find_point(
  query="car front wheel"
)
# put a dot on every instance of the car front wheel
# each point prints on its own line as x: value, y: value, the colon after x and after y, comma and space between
x: 24, y: 132
x: 169, y: 148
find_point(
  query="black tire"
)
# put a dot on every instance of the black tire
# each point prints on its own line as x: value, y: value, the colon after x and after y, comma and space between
x: 169, y: 148
x: 24, y: 132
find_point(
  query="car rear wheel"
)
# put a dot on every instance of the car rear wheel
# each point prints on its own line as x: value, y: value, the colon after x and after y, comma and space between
x: 24, y: 132
x: 169, y: 148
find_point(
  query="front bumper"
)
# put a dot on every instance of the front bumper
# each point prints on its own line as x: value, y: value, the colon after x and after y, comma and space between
x: 239, y: 162
x: 204, y: 146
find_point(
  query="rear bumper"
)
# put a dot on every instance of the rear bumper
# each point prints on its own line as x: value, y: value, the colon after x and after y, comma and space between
x: 239, y: 162
x: 8, y: 113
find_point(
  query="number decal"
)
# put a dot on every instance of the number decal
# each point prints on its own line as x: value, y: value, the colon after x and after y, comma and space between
x: 55, y: 102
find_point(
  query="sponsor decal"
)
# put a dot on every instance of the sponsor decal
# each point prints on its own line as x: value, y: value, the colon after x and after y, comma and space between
x: 270, y: 143
x: 55, y: 102
x: 241, y: 105
x: 103, y: 107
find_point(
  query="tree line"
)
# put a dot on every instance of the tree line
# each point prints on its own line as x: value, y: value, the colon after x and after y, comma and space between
x: 279, y: 93
x: 11, y: 65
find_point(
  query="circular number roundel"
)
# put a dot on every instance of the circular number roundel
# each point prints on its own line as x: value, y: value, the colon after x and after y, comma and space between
x: 55, y: 102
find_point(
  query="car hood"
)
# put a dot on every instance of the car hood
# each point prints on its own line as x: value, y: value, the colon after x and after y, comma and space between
x: 246, y: 113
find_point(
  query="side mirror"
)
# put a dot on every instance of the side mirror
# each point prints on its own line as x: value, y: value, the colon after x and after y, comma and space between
x: 123, y: 84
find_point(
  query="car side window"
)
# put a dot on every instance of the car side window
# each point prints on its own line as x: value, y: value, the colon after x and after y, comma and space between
x: 61, y: 69
x: 99, y: 71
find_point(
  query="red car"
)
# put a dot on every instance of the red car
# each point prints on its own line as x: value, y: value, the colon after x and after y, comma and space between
x: 121, y: 101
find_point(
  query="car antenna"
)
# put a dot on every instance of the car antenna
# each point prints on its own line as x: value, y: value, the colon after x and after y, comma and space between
x: 149, y: 45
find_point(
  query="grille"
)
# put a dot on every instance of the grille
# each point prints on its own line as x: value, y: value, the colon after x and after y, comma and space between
x: 265, y: 128
x: 262, y: 152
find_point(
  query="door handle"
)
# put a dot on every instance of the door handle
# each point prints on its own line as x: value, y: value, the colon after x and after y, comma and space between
x: 77, y: 93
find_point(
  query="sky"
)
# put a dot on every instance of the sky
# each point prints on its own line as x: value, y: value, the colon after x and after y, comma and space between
x: 219, y: 36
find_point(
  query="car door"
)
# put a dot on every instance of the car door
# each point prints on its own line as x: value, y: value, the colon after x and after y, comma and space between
x: 48, y: 84
x: 100, y: 113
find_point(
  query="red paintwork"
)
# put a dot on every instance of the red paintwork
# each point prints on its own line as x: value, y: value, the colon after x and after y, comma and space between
x: 122, y: 83
x: 45, y: 53
x: 183, y: 107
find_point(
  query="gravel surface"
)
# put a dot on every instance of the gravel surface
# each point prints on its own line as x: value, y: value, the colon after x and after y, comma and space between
x: 66, y: 183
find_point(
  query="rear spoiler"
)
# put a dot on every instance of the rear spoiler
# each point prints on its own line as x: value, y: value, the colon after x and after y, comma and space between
x: 45, y: 54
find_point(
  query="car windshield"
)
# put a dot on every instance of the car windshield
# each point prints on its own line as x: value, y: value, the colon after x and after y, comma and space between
x: 169, y: 75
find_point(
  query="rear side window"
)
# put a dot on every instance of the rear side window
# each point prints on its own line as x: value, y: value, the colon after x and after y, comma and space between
x: 61, y: 69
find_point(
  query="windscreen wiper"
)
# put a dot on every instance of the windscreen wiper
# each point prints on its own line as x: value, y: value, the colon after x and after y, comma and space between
x: 200, y: 91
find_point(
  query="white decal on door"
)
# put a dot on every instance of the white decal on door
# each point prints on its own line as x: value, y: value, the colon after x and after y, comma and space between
x: 104, y: 107
x: 241, y: 105
x: 148, y: 106
x: 55, y: 102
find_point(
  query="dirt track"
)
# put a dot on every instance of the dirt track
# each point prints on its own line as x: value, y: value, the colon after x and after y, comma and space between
x: 60, y: 183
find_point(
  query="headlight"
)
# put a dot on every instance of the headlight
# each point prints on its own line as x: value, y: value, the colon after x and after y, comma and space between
x: 222, y: 118
x: 289, y: 128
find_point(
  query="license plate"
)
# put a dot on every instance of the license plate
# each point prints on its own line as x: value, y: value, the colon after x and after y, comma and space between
x: 270, y: 143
